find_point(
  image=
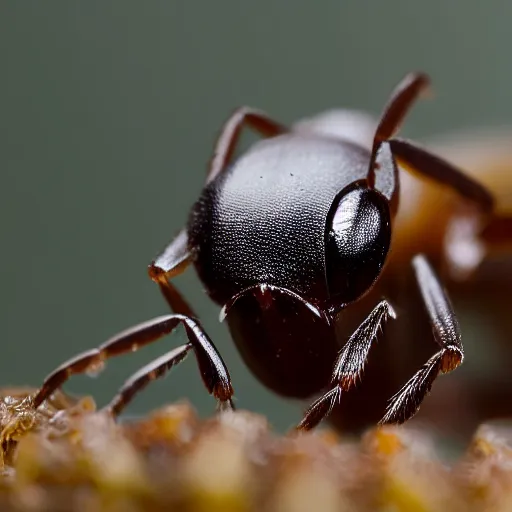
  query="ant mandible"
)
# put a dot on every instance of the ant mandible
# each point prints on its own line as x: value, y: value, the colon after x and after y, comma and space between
x: 284, y: 239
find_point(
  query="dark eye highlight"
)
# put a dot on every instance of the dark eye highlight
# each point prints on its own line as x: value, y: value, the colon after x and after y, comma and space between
x: 357, y: 242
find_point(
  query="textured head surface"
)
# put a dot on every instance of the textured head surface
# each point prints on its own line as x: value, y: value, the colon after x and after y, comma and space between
x: 264, y: 220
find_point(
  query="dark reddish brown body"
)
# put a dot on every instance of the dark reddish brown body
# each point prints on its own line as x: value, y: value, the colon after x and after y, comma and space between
x: 291, y: 240
x: 293, y: 234
x: 290, y: 349
x: 262, y: 223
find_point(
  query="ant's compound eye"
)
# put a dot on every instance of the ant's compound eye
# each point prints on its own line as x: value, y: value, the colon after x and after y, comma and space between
x: 357, y: 242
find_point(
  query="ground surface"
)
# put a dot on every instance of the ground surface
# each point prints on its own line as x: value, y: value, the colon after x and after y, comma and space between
x: 171, y: 460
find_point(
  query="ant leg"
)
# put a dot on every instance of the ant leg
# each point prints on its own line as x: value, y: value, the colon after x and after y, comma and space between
x: 349, y: 365
x: 411, y: 156
x: 139, y: 380
x: 145, y: 375
x: 176, y: 256
x: 419, y: 160
x: 170, y: 263
x: 230, y: 135
x: 404, y: 404
x: 213, y: 371
x: 402, y: 98
x: 470, y: 234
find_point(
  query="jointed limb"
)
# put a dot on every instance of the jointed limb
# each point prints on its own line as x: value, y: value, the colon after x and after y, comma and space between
x: 140, y: 379
x: 230, y: 135
x: 400, y: 102
x: 213, y: 371
x: 446, y: 333
x: 414, y: 158
x: 352, y: 358
x: 170, y: 263
x: 349, y: 365
x: 176, y: 257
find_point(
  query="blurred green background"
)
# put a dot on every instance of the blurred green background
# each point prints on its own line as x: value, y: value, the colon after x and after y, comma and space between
x: 108, y: 113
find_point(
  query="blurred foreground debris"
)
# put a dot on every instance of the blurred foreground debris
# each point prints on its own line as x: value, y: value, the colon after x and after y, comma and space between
x: 172, y: 460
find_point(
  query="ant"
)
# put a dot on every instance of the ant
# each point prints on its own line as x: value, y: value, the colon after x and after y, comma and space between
x: 296, y: 231
x: 286, y: 239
